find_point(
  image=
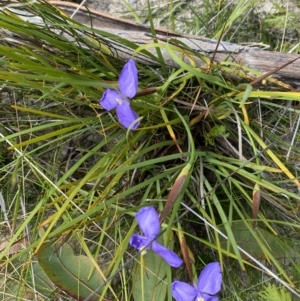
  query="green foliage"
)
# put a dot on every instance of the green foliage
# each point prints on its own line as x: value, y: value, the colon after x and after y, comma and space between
x: 149, y: 278
x: 77, y: 276
x: 254, y: 242
x: 214, y: 132
x: 41, y: 281
x: 71, y: 175
x: 273, y: 293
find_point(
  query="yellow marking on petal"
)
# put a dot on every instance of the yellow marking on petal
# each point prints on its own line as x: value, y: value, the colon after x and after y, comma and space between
x: 119, y: 101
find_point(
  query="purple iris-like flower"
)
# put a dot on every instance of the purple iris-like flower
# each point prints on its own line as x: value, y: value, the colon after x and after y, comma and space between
x: 112, y: 99
x: 148, y: 222
x: 209, y: 284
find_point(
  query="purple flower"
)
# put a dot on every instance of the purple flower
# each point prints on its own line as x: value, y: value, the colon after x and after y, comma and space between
x: 209, y: 284
x: 148, y: 222
x: 128, y: 85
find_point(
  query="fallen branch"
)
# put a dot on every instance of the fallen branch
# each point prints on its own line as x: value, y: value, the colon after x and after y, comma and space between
x: 252, y: 57
x: 282, y: 66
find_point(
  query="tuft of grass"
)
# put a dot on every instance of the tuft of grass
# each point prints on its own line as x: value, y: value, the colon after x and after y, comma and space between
x: 71, y: 175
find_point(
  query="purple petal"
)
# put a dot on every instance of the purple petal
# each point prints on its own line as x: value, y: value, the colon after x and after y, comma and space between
x: 109, y: 99
x: 169, y: 256
x: 128, y: 80
x: 138, y: 241
x: 148, y: 221
x: 210, y: 279
x: 182, y: 291
x: 207, y: 297
x: 127, y: 117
